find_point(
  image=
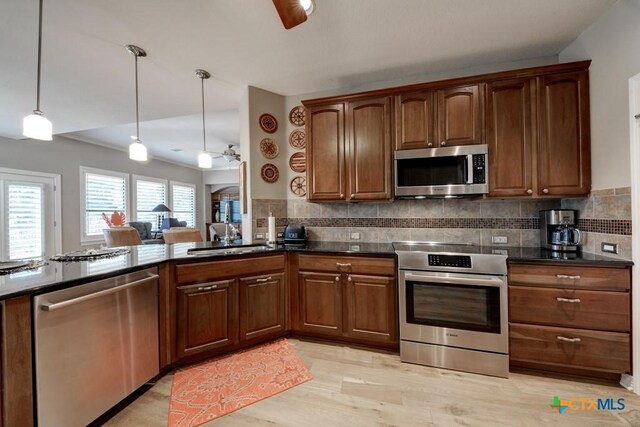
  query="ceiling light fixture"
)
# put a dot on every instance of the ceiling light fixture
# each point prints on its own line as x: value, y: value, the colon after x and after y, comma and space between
x: 308, y: 5
x: 36, y: 125
x: 204, y: 158
x: 137, y: 150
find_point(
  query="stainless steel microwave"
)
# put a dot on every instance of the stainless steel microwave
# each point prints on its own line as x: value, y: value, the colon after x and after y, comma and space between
x: 441, y: 172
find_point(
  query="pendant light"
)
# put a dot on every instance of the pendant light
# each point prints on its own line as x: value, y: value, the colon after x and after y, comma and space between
x: 137, y: 150
x: 204, y: 158
x: 36, y: 125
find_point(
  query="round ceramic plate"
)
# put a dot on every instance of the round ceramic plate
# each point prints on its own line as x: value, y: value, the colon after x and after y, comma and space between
x: 298, y: 162
x: 269, y: 148
x: 268, y: 123
x: 298, y: 139
x: 269, y: 173
x: 296, y: 115
x: 299, y: 186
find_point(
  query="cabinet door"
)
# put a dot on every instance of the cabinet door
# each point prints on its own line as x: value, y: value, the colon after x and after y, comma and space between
x: 415, y: 120
x: 509, y: 137
x: 326, y: 153
x: 564, y: 143
x: 262, y: 306
x: 369, y: 157
x: 372, y: 308
x: 207, y: 317
x: 460, y: 119
x: 320, y: 303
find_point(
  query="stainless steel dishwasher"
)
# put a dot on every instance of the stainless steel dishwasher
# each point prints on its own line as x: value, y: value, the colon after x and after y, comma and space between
x: 94, y: 345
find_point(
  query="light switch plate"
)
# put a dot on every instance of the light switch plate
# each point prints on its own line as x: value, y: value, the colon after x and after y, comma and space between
x: 611, y: 248
x: 259, y: 236
x: 499, y: 239
x: 355, y: 236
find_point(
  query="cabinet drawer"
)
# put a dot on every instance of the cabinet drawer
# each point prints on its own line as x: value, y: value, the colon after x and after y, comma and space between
x: 342, y: 264
x: 570, y: 276
x: 605, y: 351
x: 213, y: 270
x: 609, y: 311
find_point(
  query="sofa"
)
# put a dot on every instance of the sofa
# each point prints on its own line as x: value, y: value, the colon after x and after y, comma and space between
x: 144, y: 230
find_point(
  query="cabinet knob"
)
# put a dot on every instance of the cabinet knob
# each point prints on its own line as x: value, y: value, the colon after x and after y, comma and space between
x: 342, y: 195
x: 337, y: 278
x: 443, y: 143
x: 529, y: 191
x: 430, y: 144
x: 352, y: 196
x: 349, y: 278
x: 545, y: 190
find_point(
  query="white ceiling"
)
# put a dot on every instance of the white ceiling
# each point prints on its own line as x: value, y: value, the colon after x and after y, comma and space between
x: 87, y: 84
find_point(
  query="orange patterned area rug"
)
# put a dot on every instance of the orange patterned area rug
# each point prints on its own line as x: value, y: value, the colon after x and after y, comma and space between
x: 209, y: 390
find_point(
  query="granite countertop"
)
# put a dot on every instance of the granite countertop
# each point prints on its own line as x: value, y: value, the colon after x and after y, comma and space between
x: 59, y: 275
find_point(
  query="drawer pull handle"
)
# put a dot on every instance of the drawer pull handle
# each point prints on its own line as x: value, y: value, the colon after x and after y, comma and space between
x: 207, y: 288
x: 561, y: 299
x: 565, y: 339
x: 343, y: 264
x: 266, y: 279
x: 566, y: 276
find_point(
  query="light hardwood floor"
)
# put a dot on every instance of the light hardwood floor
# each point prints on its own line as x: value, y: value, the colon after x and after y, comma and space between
x: 355, y: 387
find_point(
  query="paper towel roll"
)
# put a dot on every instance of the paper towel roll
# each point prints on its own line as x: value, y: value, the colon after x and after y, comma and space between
x: 272, y: 229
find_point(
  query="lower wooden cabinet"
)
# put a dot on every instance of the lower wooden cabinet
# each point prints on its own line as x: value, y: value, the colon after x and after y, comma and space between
x: 355, y: 307
x: 262, y: 306
x: 207, y: 316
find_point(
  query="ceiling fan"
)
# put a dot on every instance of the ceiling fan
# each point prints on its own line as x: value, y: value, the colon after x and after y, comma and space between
x: 229, y: 154
x: 294, y: 12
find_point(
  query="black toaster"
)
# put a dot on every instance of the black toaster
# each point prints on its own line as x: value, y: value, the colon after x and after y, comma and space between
x: 295, y: 234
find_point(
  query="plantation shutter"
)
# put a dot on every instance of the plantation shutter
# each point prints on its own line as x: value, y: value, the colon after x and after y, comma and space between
x: 184, y: 203
x: 149, y: 194
x: 104, y: 194
x: 25, y: 220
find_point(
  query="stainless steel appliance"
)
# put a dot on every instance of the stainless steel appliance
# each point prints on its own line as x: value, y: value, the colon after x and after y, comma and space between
x: 94, y: 345
x: 441, y: 172
x: 558, y: 231
x: 453, y: 307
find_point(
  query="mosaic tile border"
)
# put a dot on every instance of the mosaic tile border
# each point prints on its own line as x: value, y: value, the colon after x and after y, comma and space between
x: 605, y: 226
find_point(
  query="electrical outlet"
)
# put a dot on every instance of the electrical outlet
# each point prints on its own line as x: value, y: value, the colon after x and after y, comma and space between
x: 355, y: 236
x: 259, y: 236
x: 611, y: 248
x: 280, y: 235
x: 354, y: 248
x: 499, y: 240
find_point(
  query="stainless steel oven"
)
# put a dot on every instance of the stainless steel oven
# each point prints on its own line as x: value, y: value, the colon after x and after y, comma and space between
x: 453, y: 308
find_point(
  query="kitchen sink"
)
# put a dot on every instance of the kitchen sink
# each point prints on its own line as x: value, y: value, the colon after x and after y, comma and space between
x: 228, y: 250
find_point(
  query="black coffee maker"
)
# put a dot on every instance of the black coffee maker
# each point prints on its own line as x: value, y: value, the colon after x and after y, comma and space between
x: 558, y: 231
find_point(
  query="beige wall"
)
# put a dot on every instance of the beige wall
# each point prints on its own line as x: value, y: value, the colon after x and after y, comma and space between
x: 613, y: 43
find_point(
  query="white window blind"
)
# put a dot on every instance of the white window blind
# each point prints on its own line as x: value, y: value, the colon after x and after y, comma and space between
x: 183, y: 200
x: 149, y: 194
x: 103, y: 194
x: 25, y: 220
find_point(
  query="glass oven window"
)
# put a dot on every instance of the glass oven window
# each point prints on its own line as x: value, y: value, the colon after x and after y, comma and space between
x: 448, y: 170
x: 467, y: 307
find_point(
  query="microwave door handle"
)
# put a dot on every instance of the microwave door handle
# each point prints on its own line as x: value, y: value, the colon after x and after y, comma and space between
x: 491, y: 281
x: 469, y: 168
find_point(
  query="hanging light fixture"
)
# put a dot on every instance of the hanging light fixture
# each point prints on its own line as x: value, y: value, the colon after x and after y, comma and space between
x: 137, y: 150
x: 36, y: 125
x: 204, y: 158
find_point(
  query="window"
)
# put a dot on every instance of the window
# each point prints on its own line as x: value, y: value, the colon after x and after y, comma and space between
x: 28, y: 209
x: 102, y: 192
x: 234, y: 210
x: 183, y: 203
x: 149, y: 193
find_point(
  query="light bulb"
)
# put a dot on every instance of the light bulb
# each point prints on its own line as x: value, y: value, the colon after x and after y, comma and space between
x: 138, y: 152
x: 37, y: 126
x: 204, y: 160
x: 308, y: 6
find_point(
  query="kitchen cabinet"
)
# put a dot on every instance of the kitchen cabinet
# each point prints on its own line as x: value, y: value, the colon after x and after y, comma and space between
x: 538, y: 136
x: 573, y: 319
x: 349, y: 298
x: 349, y: 151
x: 262, y: 306
x: 440, y: 118
x: 207, y: 316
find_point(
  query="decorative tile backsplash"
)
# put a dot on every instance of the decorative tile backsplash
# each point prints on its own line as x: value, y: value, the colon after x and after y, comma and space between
x: 604, y: 217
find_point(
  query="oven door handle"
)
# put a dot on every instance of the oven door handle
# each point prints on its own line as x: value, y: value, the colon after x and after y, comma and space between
x: 490, y: 281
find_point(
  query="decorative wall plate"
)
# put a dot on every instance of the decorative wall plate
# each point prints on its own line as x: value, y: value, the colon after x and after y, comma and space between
x: 298, y: 139
x: 10, y: 267
x: 269, y: 173
x: 268, y: 123
x: 299, y: 186
x: 298, y: 162
x: 269, y: 148
x: 296, y: 115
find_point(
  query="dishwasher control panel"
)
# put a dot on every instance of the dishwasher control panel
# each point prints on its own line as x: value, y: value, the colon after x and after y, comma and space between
x: 457, y: 261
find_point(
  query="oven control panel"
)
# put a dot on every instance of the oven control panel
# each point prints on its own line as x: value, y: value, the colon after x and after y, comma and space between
x: 457, y: 261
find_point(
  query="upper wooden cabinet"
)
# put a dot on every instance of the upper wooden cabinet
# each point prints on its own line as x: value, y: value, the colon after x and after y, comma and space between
x: 538, y: 136
x: 446, y: 117
x: 355, y: 168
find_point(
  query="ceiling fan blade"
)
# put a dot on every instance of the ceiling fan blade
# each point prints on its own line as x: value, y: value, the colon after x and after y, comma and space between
x: 291, y: 12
